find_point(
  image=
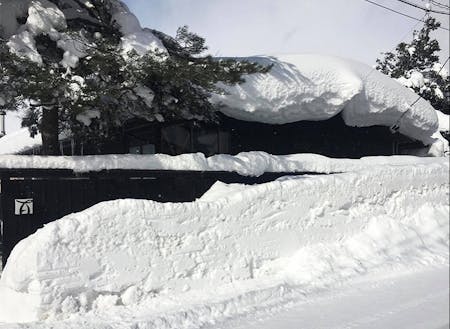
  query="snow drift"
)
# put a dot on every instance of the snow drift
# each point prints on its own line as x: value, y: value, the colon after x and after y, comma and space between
x: 255, y: 242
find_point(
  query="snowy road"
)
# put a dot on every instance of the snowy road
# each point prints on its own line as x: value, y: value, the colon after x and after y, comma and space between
x: 400, y: 300
x: 413, y: 300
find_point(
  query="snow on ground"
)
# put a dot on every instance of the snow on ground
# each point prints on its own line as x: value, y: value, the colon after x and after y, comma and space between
x: 317, y: 87
x: 239, y: 250
x: 18, y: 141
x: 246, y: 163
x: 415, y: 300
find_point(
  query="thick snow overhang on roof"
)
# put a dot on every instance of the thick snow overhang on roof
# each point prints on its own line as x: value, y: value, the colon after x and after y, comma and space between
x: 317, y: 87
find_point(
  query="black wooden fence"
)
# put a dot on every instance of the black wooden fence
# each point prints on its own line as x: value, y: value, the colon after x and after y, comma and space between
x: 31, y: 198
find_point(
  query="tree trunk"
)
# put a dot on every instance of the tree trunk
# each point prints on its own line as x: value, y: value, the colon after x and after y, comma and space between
x: 49, y: 130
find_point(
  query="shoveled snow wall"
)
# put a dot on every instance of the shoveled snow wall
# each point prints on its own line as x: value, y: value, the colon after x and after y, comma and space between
x: 246, y: 163
x: 128, y: 252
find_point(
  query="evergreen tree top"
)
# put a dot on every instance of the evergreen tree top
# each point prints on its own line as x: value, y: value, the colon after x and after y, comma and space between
x: 92, y: 65
x: 416, y: 65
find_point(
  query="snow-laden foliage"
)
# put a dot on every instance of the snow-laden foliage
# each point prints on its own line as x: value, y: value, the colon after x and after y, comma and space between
x: 416, y: 65
x: 82, y: 68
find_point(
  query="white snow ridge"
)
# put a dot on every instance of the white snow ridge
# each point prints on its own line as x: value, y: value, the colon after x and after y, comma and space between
x: 144, y: 264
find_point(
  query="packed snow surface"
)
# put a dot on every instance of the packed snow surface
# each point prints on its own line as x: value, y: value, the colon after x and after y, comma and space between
x: 415, y: 300
x: 237, y: 250
x: 317, y: 87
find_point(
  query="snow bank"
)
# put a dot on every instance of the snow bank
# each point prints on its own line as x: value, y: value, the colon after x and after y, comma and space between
x: 316, y: 87
x: 253, y: 246
x: 246, y: 163
x: 18, y: 141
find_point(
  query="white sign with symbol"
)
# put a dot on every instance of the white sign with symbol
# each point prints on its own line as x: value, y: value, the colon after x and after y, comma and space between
x: 23, y: 206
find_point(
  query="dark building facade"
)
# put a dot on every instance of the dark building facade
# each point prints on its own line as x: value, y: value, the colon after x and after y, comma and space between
x: 332, y: 138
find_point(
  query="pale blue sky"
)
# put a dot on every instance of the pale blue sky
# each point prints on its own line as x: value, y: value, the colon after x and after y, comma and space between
x: 349, y: 28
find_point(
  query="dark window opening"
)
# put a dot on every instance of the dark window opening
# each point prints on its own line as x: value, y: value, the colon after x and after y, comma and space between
x: 142, y: 149
x: 176, y: 139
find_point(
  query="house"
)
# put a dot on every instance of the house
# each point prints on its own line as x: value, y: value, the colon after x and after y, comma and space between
x: 330, y: 137
x: 231, y: 136
x: 305, y: 104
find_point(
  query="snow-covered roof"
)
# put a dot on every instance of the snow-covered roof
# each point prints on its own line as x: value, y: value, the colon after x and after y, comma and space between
x: 317, y: 87
x: 444, y: 121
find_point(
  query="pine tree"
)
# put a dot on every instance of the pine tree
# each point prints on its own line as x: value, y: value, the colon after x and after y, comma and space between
x: 92, y: 99
x: 416, y: 65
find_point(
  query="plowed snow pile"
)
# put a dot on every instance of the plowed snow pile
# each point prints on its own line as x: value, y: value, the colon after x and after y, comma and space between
x: 238, y: 249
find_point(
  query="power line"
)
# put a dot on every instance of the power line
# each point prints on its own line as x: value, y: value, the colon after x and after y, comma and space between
x: 406, y: 34
x: 396, y: 125
x: 440, y: 5
x: 424, y: 8
x: 400, y: 13
x: 438, y: 74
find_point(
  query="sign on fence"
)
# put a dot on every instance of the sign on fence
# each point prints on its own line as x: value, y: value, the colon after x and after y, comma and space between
x: 23, y: 206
